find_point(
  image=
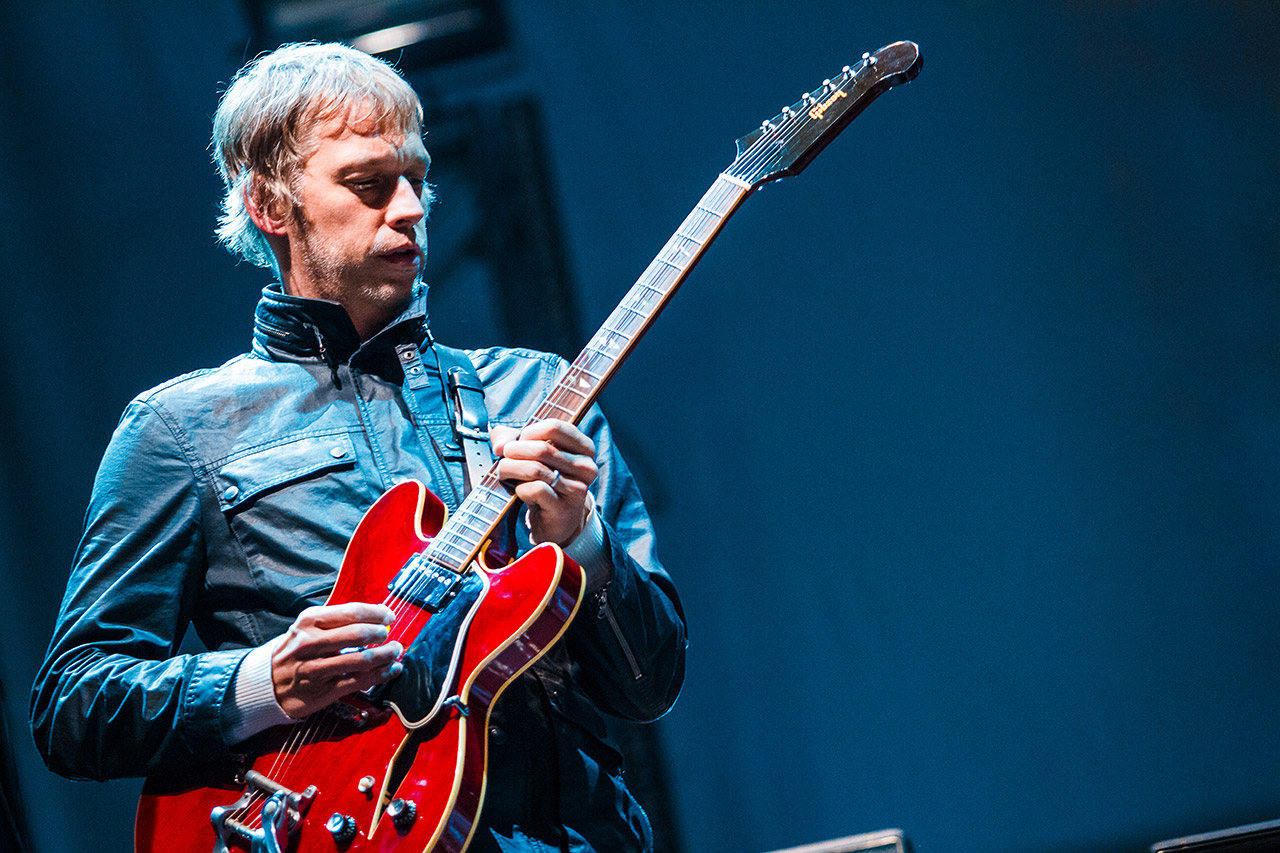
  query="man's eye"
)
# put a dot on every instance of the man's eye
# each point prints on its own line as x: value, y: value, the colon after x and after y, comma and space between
x: 364, y: 183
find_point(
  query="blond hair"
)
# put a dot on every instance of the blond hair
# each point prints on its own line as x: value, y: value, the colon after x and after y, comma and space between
x: 263, y: 129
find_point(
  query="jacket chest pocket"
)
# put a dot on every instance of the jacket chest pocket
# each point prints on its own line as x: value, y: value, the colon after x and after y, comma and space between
x: 245, y: 479
x: 290, y: 509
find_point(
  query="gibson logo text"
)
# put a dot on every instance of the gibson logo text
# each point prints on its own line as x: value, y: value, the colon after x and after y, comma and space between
x: 817, y: 110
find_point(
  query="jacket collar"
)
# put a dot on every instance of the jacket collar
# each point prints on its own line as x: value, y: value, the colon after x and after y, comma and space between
x: 294, y: 328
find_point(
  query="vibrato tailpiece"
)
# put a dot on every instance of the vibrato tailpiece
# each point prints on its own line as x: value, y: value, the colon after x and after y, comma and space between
x: 281, y: 812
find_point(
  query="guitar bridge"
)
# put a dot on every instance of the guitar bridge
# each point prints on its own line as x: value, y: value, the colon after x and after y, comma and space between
x: 281, y: 813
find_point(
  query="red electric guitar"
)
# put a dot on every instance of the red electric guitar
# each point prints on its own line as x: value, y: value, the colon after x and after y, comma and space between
x: 403, y: 769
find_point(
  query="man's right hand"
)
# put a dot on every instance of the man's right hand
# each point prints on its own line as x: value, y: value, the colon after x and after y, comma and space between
x: 309, y: 669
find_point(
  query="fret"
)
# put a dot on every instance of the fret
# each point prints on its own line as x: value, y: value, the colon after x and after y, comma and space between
x: 476, y: 507
x: 685, y: 246
x: 451, y: 537
x: 664, y: 277
x: 644, y: 306
x: 486, y: 494
x: 614, y: 330
x: 648, y: 286
x: 554, y: 405
x: 643, y: 298
x: 464, y: 552
x: 603, y: 368
x: 625, y: 307
x: 683, y: 243
x: 592, y: 357
x: 434, y: 555
x: 616, y: 340
x: 666, y: 280
x: 676, y: 257
x: 569, y: 414
x: 629, y: 324
x: 574, y: 368
x: 572, y: 407
x: 492, y: 487
x: 462, y: 540
x: 702, y: 223
x: 600, y: 352
x: 459, y: 518
x: 479, y: 512
x: 580, y: 385
x: 490, y: 484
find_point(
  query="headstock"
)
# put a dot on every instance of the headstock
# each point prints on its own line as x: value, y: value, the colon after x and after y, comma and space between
x: 784, y: 145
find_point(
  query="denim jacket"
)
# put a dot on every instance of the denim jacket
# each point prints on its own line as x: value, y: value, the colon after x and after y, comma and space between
x: 225, y: 500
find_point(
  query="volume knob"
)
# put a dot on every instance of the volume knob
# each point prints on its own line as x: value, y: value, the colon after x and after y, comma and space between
x: 342, y: 827
x: 402, y: 813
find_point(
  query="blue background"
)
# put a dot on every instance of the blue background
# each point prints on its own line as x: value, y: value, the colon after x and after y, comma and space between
x: 963, y: 443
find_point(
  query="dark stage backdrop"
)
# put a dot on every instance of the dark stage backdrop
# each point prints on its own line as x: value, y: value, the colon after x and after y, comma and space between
x: 967, y: 438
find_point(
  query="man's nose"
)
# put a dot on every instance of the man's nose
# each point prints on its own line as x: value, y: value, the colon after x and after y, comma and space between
x: 405, y: 207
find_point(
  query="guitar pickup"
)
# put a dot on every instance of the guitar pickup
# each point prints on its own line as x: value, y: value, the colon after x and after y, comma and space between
x: 428, y: 585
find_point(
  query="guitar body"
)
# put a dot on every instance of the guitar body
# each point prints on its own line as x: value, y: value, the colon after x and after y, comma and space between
x: 427, y: 754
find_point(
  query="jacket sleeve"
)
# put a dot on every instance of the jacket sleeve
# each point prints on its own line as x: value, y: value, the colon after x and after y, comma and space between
x: 113, y: 698
x: 629, y: 638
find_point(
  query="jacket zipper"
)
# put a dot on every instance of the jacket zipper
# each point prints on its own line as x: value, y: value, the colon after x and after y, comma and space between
x: 606, y: 612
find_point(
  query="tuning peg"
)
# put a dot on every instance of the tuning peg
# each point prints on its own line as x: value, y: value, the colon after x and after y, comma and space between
x: 847, y: 71
x: 787, y: 112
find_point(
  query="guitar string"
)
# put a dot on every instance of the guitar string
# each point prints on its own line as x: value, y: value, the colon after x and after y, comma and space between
x: 450, y: 536
x: 660, y: 281
x: 304, y: 732
x: 308, y: 732
x: 806, y: 119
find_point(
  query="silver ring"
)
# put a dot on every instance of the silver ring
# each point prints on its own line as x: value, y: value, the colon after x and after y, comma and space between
x: 555, y: 481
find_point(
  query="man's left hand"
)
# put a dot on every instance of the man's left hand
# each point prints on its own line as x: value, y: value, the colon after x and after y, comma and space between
x: 550, y: 464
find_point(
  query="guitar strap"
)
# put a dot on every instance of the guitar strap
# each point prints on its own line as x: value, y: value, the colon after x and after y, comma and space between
x: 463, y: 396
x: 470, y: 416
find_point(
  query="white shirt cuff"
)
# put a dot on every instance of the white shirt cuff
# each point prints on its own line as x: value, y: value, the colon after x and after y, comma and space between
x: 591, y: 551
x: 251, y: 705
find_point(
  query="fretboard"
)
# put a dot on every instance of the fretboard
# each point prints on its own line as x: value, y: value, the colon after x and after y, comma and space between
x: 472, y: 524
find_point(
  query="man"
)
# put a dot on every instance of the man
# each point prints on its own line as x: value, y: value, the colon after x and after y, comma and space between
x: 226, y: 496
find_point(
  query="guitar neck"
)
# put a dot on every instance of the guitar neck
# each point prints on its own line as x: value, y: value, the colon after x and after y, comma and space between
x: 605, y: 352
x: 463, y: 536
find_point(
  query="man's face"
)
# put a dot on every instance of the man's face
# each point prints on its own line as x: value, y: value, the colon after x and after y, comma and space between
x: 357, y: 235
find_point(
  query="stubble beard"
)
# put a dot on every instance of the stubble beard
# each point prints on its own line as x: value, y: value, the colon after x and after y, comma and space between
x: 339, y: 279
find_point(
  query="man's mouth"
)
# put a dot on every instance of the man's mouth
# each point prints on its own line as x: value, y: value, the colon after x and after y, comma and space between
x: 405, y: 255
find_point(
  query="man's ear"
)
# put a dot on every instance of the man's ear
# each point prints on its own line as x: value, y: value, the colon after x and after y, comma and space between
x: 268, y: 210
